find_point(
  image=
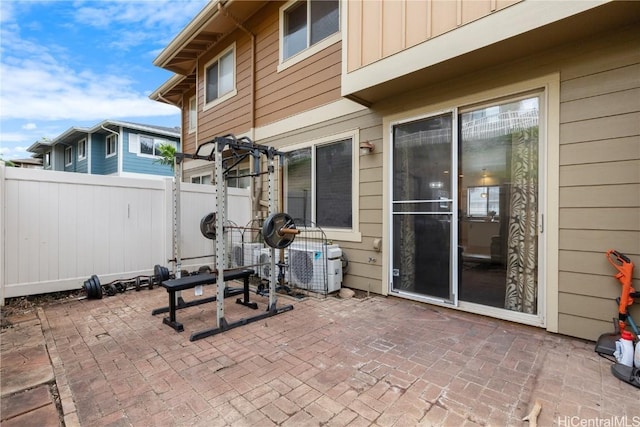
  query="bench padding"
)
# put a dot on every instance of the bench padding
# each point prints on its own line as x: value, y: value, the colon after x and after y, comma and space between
x: 189, y: 282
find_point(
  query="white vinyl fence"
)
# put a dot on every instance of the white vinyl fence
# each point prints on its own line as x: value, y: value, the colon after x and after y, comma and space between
x: 59, y: 228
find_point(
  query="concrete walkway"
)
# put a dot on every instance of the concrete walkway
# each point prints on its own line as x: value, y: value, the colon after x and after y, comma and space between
x: 27, y: 382
x: 328, y: 362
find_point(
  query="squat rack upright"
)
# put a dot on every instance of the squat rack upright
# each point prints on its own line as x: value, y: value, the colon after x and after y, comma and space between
x: 240, y: 149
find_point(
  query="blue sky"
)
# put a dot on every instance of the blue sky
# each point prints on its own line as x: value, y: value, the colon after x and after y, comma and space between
x: 71, y: 63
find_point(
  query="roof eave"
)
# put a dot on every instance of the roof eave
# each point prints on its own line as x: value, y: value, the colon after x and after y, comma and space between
x: 189, y: 33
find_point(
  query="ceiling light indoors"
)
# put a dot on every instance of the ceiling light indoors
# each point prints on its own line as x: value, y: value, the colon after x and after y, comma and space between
x: 484, y: 188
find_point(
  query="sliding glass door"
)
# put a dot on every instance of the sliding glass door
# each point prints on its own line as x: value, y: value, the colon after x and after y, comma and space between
x: 498, y: 195
x: 423, y: 207
x: 465, y: 206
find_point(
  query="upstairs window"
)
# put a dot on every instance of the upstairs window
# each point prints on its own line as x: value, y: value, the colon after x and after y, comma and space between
x: 47, y: 159
x: 82, y: 149
x: 150, y: 146
x: 193, y: 114
x: 306, y: 23
x: 147, y: 145
x: 220, y: 79
x: 68, y: 156
x: 112, y: 145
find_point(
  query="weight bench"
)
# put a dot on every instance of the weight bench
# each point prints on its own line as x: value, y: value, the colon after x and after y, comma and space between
x: 188, y: 282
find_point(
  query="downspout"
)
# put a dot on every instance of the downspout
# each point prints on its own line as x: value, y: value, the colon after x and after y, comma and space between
x: 257, y: 180
x: 89, y: 152
x: 182, y: 129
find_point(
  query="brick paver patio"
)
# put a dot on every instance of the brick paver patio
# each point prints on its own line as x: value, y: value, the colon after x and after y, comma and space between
x: 328, y: 362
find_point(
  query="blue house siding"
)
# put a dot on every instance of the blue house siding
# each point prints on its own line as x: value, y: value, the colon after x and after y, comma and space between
x: 109, y: 164
x: 72, y: 166
x: 82, y: 166
x: 100, y: 163
x: 135, y: 162
x: 126, y: 158
x: 98, y: 151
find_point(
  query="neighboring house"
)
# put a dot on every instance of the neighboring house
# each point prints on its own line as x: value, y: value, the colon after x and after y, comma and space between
x: 31, y: 163
x: 110, y: 147
x: 481, y: 155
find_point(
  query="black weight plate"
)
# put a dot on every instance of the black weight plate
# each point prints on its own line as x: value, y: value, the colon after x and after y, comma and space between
x: 208, y: 226
x: 271, y: 230
x: 95, y: 278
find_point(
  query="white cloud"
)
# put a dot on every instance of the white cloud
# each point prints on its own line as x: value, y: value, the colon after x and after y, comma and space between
x: 14, y: 153
x: 54, y: 86
x: 15, y: 137
x: 157, y: 20
x: 41, y: 91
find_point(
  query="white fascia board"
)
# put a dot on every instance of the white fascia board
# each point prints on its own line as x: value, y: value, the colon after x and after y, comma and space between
x: 134, y: 126
x: 188, y: 33
x: 321, y: 114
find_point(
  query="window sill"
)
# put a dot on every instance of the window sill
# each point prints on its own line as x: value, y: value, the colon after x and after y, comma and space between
x: 345, y: 236
x: 310, y: 51
x: 220, y: 100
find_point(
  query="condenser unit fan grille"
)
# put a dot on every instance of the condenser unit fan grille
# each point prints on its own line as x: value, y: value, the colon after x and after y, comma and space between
x: 302, y: 267
x: 237, y: 256
x: 265, y: 266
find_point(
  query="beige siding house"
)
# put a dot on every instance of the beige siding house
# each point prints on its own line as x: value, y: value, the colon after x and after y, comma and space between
x: 481, y: 155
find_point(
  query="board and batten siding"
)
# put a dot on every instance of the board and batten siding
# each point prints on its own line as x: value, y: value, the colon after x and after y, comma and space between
x: 379, y: 29
x: 599, y: 180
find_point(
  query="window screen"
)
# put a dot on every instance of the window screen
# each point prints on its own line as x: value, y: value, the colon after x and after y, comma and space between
x: 333, y: 184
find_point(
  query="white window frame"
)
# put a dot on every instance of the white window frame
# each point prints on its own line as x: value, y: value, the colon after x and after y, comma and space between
x: 82, y: 154
x: 201, y: 176
x: 46, y: 159
x: 488, y: 190
x: 548, y: 88
x: 225, y: 96
x: 283, y: 63
x: 233, y: 174
x: 111, y: 138
x: 156, y: 142
x: 353, y: 234
x: 68, y: 156
x: 192, y: 114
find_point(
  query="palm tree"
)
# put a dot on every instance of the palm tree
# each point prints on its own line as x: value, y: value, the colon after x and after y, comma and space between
x: 7, y: 163
x: 167, y: 154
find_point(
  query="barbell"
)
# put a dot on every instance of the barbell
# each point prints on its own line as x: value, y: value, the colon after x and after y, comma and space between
x: 278, y: 230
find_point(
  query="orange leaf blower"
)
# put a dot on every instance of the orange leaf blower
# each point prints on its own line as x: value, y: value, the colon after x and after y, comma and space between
x: 605, y: 346
x: 625, y: 272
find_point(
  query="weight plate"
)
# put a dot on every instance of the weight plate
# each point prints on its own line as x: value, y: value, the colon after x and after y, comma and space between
x: 161, y: 273
x: 272, y: 230
x: 208, y: 226
x: 95, y: 279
